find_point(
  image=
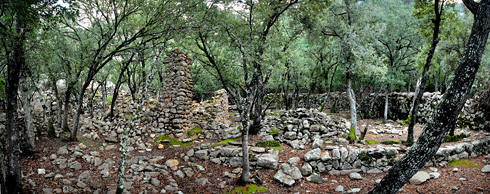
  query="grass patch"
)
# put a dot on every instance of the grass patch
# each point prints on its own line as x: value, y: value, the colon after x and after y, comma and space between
x: 274, y: 132
x: 248, y: 189
x: 194, y: 131
x: 271, y: 144
x: 391, y: 142
x: 370, y: 141
x: 455, y: 138
x: 224, y: 142
x: 172, y: 141
x: 463, y: 163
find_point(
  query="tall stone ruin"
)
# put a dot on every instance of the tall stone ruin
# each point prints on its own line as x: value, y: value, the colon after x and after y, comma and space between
x: 178, y: 89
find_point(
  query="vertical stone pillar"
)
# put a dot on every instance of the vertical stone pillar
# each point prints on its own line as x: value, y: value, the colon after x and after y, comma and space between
x: 220, y: 98
x: 178, y: 89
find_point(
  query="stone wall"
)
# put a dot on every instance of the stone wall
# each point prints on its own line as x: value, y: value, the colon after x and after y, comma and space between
x: 399, y: 107
x: 178, y: 90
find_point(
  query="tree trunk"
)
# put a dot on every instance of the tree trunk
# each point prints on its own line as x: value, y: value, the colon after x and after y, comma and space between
x: 421, y: 82
x: 244, y: 118
x: 387, y: 95
x: 410, y: 81
x: 451, y: 104
x: 58, y: 104
x: 69, y: 89
x: 13, y: 180
x: 30, y: 135
x: 352, y: 105
x: 76, y: 120
x: 373, y: 100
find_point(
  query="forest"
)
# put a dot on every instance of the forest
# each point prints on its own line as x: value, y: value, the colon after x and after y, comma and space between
x: 247, y: 96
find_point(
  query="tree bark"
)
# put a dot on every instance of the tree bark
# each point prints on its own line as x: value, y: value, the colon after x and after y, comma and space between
x: 352, y: 105
x: 451, y: 104
x: 58, y: 104
x: 66, y: 104
x: 13, y: 180
x: 421, y: 82
x: 76, y: 120
x: 387, y: 95
x: 30, y: 135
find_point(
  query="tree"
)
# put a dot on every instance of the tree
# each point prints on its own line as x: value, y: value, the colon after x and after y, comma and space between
x: 247, y: 32
x: 445, y: 115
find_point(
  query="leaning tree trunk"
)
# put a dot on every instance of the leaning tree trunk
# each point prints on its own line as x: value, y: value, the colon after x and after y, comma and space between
x: 30, y: 135
x: 421, y: 82
x: 244, y: 119
x: 352, y: 105
x: 451, y: 104
x: 76, y: 120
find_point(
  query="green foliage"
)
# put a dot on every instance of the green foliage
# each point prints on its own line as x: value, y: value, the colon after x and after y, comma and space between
x: 463, y: 163
x: 210, y: 102
x: 172, y: 141
x: 274, y: 132
x: 332, y: 110
x: 51, y: 130
x: 370, y: 141
x: 108, y: 99
x: 352, y: 134
x: 128, y: 115
x: 248, y: 189
x: 194, y: 131
x: 224, y: 142
x: 391, y: 142
x: 271, y: 143
x: 406, y: 121
x: 239, y: 127
x: 455, y: 138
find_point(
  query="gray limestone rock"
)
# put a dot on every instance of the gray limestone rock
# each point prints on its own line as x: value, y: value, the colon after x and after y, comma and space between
x: 287, y: 175
x: 419, y: 178
x: 75, y: 165
x: 85, y: 176
x: 201, y: 154
x: 313, y: 155
x: 355, y: 176
x: 202, y: 181
x: 336, y: 154
x: 268, y: 161
x: 155, y: 182
x: 315, y: 178
x: 339, y: 189
x: 486, y: 169
x: 317, y: 144
x: 306, y: 169
x: 62, y: 150
x: 325, y: 156
x: 434, y: 175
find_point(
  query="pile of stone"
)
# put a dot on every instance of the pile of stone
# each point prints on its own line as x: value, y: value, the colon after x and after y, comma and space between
x: 460, y: 151
x: 298, y: 127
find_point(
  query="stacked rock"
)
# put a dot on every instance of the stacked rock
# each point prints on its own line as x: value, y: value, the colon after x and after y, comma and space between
x: 178, y: 89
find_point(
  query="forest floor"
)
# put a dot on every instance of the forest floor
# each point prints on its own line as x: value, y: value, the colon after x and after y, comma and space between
x: 67, y: 170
